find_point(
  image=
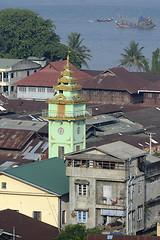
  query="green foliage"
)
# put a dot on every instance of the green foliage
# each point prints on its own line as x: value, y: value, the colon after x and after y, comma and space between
x: 156, y: 61
x: 24, y: 33
x: 75, y: 43
x: 94, y: 230
x: 133, y: 57
x: 156, y: 154
x: 76, y: 232
x: 154, y: 233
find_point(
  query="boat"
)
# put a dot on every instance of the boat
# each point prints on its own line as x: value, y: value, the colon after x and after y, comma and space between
x: 104, y: 20
x: 141, y: 23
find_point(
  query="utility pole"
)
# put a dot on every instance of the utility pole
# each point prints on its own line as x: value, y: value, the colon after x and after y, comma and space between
x: 150, y: 141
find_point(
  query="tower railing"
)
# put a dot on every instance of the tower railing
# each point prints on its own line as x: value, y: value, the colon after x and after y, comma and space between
x: 66, y: 114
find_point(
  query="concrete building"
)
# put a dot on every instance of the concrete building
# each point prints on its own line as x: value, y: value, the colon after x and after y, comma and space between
x: 107, y: 186
x: 152, y: 201
x: 13, y: 70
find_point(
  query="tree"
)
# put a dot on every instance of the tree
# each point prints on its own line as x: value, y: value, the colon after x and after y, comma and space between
x: 156, y: 61
x: 133, y: 57
x: 75, y: 43
x: 76, y: 232
x: 24, y: 33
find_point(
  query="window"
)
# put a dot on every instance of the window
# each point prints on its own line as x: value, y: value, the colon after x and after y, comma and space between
x: 4, y: 185
x: 139, y: 214
x: 82, y: 189
x: 5, y: 76
x: 22, y: 89
x: 27, y: 73
x: 60, y: 152
x: 41, y: 89
x: 50, y: 90
x: 82, y: 216
x: 107, y: 194
x: 37, y: 215
x: 139, y: 187
x: 35, y: 71
x: 149, y: 95
x: 32, y: 89
x: 12, y: 75
x: 64, y: 217
x: 77, y: 148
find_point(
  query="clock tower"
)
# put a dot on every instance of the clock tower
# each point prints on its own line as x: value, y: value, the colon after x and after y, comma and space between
x: 67, y: 116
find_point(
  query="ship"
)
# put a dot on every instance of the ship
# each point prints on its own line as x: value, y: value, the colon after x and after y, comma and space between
x: 141, y: 23
x: 104, y: 20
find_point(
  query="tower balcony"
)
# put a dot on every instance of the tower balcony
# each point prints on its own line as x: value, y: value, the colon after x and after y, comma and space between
x: 71, y: 115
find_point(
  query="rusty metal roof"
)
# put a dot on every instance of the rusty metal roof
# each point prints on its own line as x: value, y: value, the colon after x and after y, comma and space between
x: 14, y: 139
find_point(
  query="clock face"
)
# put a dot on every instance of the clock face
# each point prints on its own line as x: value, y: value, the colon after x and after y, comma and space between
x: 60, y: 130
x: 78, y: 130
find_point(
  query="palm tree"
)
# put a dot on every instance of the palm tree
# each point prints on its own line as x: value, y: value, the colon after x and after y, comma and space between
x: 75, y: 43
x: 133, y: 57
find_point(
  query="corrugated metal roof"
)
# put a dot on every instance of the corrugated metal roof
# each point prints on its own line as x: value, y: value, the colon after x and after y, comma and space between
x: 5, y: 62
x: 98, y: 157
x: 6, y: 165
x: 49, y: 174
x: 14, y: 139
x: 123, y: 150
x: 100, y: 119
x: 6, y: 123
x: 147, y: 116
x: 35, y: 150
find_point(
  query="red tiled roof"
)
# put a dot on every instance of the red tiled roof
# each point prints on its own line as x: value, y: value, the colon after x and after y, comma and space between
x: 153, y: 87
x: 48, y: 76
x: 26, y: 227
x: 118, y: 79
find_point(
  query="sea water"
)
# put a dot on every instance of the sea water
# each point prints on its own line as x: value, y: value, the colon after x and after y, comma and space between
x: 105, y: 40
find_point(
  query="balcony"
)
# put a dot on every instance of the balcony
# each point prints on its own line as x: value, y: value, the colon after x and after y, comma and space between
x: 67, y: 114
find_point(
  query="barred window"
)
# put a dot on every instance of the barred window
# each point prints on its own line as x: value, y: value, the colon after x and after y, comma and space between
x: 41, y: 89
x: 139, y: 214
x: 82, y: 189
x: 22, y: 89
x: 32, y: 89
x: 50, y: 90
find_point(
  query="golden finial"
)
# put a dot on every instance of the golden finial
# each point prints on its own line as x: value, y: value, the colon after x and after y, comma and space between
x: 68, y: 57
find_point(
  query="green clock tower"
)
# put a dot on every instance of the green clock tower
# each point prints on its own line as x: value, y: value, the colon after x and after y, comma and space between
x: 67, y: 116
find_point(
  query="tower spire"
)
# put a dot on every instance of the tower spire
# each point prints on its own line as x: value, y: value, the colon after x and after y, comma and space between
x: 67, y: 115
x: 68, y: 57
